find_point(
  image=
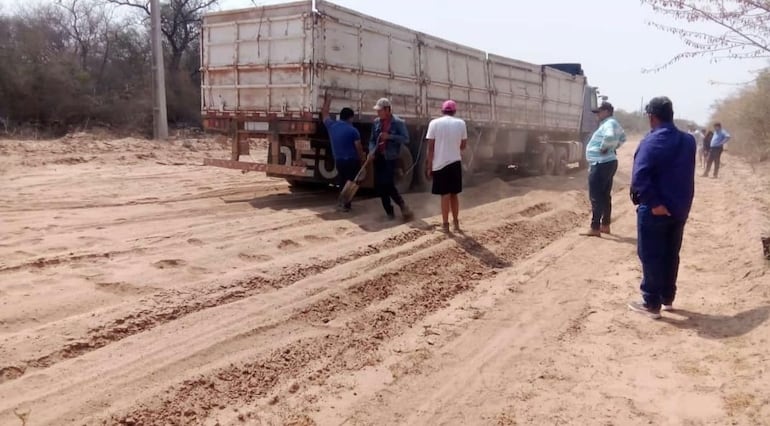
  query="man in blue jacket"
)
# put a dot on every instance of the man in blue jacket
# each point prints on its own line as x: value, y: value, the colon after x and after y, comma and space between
x: 389, y: 133
x: 663, y: 186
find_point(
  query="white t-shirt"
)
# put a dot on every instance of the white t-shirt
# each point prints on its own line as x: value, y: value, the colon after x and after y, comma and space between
x: 448, y: 133
x: 698, y: 137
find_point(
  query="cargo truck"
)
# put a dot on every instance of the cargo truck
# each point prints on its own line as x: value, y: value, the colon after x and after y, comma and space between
x: 266, y: 70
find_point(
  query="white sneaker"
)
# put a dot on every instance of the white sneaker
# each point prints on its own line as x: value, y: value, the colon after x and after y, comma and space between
x: 667, y: 308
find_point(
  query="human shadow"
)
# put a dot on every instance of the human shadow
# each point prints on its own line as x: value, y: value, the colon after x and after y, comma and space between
x: 477, y: 250
x: 720, y: 326
x: 369, y: 215
x: 619, y: 239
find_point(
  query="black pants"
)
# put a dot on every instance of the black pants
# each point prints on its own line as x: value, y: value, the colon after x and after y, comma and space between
x: 658, y: 245
x: 600, y: 178
x: 347, y: 170
x: 385, y: 185
x: 715, y: 157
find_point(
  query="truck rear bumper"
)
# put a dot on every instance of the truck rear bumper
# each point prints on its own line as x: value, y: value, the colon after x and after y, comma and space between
x: 275, y: 169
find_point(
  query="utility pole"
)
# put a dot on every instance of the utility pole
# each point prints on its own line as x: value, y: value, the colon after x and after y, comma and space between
x: 159, y: 117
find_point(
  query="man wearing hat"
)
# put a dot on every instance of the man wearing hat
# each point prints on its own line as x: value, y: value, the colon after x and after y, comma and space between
x: 389, y: 133
x: 603, y: 163
x: 447, y: 137
x: 662, y: 186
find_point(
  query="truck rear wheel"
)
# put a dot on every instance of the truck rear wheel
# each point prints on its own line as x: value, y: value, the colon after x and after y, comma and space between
x: 547, y: 160
x: 560, y: 168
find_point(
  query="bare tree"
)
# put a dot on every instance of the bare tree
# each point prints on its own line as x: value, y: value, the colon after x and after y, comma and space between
x: 180, y: 23
x: 718, y: 29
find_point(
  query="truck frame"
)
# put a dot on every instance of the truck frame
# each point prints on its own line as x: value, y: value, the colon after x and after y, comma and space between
x: 265, y: 72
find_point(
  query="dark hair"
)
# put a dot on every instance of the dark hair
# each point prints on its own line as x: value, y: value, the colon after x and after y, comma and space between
x: 346, y: 114
x: 661, y: 108
x: 717, y: 124
x: 449, y: 112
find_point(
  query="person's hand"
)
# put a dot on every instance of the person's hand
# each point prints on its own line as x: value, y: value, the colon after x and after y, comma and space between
x: 661, y: 210
x: 604, y: 151
x: 429, y: 170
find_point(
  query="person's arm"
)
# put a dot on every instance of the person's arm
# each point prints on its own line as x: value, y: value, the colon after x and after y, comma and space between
x: 621, y: 135
x: 464, y: 141
x: 359, y: 146
x: 429, y: 159
x: 645, y: 169
x: 325, y: 108
x: 373, y: 138
x: 610, y: 137
x: 430, y: 138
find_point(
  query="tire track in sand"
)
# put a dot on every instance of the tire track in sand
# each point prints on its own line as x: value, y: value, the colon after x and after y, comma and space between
x: 367, y: 313
x: 165, y: 306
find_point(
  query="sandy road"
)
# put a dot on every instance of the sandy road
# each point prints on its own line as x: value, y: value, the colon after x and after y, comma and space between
x: 139, y: 288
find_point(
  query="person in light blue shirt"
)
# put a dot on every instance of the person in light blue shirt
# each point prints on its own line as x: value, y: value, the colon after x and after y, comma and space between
x: 721, y: 137
x: 603, y: 161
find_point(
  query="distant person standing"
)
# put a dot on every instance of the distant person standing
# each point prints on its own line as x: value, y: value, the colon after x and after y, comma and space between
x: 346, y: 145
x: 699, y: 136
x: 389, y: 134
x: 706, y: 148
x: 447, y: 137
x: 721, y: 137
x: 603, y: 162
x: 662, y: 185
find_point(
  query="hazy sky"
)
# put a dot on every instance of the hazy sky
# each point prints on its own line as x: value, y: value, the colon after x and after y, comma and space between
x: 610, y: 38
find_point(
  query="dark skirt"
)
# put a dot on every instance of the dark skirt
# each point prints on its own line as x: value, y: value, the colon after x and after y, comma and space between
x: 448, y: 180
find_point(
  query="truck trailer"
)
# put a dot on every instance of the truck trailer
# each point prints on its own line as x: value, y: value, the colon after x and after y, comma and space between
x: 266, y: 70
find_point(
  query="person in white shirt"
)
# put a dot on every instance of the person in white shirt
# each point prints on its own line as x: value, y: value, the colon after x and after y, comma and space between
x: 698, y: 135
x: 447, y: 137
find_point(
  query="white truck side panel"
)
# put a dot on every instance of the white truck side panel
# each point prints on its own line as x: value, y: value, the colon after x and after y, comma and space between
x: 518, y: 92
x: 283, y: 58
x: 361, y: 59
x: 258, y: 60
x: 455, y: 72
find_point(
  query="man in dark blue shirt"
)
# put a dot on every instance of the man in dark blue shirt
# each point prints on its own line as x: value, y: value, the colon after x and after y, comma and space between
x: 346, y: 145
x: 663, y: 186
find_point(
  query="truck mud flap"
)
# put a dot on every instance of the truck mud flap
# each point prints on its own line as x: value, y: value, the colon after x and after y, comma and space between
x: 256, y: 167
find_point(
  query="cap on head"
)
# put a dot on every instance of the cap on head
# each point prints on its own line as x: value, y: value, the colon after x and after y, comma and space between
x: 449, y: 106
x: 382, y: 103
x: 605, y: 106
x: 661, y: 107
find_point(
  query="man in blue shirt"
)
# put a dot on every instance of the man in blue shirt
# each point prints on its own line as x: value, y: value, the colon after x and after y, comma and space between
x: 389, y: 134
x: 721, y: 137
x: 346, y: 145
x: 663, y: 186
x: 603, y: 163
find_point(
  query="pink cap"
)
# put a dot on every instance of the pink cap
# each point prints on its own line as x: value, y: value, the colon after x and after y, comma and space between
x: 449, y: 106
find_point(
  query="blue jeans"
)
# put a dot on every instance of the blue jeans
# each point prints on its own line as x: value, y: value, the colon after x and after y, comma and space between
x: 600, y: 178
x: 659, y: 242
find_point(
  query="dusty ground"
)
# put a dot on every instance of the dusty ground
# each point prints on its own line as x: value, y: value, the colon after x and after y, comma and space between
x: 137, y: 287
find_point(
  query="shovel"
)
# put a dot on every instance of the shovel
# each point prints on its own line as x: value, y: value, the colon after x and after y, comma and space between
x: 351, y: 186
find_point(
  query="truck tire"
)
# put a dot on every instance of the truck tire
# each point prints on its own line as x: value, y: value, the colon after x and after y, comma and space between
x: 560, y: 168
x: 547, y: 160
x: 404, y: 171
